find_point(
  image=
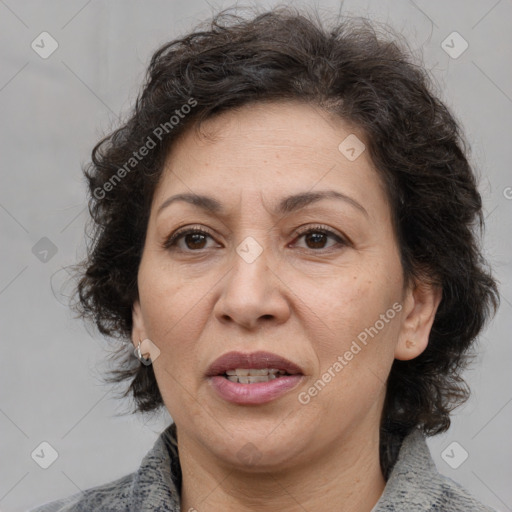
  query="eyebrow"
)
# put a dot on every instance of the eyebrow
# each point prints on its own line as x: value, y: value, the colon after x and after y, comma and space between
x: 286, y: 205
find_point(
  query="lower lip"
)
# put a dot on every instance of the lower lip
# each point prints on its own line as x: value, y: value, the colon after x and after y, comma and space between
x: 257, y: 393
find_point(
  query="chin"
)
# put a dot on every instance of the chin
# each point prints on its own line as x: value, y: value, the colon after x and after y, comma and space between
x: 251, y: 447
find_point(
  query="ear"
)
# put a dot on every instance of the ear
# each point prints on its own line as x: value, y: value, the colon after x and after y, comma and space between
x: 421, y: 303
x: 138, y: 328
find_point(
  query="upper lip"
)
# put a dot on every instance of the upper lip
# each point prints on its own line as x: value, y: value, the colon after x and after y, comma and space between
x: 256, y: 360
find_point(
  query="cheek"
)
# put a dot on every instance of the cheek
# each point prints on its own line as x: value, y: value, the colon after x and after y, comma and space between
x: 352, y: 313
x: 173, y: 312
x: 346, y: 301
x: 165, y: 295
x: 356, y: 352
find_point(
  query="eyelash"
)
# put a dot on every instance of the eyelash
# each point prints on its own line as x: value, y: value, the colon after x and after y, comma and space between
x: 171, y: 241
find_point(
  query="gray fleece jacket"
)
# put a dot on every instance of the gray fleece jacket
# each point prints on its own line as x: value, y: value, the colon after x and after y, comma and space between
x: 414, y: 485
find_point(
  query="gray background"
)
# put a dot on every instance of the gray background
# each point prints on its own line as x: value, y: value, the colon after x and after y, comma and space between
x: 52, y: 112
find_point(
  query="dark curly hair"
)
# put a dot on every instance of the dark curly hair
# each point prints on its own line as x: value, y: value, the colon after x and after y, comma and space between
x: 349, y: 70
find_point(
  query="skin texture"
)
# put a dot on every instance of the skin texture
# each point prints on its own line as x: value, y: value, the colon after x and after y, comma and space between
x: 305, y: 298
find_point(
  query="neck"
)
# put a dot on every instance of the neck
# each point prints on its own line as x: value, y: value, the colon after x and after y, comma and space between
x: 346, y: 476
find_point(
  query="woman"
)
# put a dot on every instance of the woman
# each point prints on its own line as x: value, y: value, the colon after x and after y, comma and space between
x: 284, y: 228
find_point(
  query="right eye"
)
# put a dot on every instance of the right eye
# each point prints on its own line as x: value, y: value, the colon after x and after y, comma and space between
x: 194, y: 239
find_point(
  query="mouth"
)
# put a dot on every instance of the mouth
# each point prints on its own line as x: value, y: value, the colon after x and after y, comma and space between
x: 253, y: 379
x: 252, y: 368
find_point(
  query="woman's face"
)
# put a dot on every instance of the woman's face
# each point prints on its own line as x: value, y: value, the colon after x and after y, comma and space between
x: 316, y: 280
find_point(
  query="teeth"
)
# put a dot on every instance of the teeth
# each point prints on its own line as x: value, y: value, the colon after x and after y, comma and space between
x: 253, y: 375
x: 251, y: 379
x: 252, y: 372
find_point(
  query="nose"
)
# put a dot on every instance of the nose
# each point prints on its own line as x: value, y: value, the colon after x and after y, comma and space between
x: 252, y: 294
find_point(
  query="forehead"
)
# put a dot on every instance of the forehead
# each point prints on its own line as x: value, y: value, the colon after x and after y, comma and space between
x: 265, y: 149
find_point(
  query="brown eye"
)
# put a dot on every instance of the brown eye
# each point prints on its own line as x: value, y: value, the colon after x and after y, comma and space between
x: 317, y: 238
x: 193, y: 240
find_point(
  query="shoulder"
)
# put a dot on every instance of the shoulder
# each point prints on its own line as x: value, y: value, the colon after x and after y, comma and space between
x: 454, y: 497
x: 154, y: 487
x: 416, y: 484
x: 110, y: 497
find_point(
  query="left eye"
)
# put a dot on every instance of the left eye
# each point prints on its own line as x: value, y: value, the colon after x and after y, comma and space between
x: 316, y: 238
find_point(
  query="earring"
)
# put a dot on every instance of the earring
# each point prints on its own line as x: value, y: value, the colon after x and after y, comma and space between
x: 140, y: 357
